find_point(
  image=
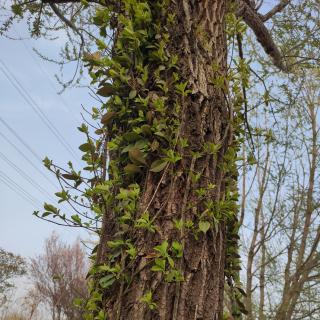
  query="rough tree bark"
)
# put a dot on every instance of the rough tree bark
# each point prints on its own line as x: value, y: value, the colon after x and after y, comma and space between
x: 199, y: 40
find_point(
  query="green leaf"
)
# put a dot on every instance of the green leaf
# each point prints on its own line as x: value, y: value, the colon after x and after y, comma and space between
x: 146, y: 129
x: 141, y: 144
x: 107, y: 281
x: 76, y: 219
x: 137, y: 156
x: 131, y: 168
x: 47, y: 162
x: 189, y: 224
x: 174, y: 276
x: 181, y: 88
x: 172, y: 156
x: 156, y: 269
x: 204, y: 226
x: 85, y: 147
x: 160, y: 265
x: 101, y: 316
x: 101, y: 45
x: 70, y: 176
x: 251, y: 159
x: 85, y: 3
x: 17, y: 10
x: 171, y: 262
x: 50, y: 208
x: 158, y: 165
x: 106, y: 118
x: 145, y: 222
x: 83, y: 128
x: 162, y: 248
x: 115, y: 244
x: 101, y: 188
x: 78, y: 302
x: 117, y: 100
x: 131, y: 136
x: 177, y: 248
x: 178, y: 223
x: 211, y: 148
x: 147, y: 298
x: 132, y: 94
x: 45, y: 214
x: 132, y: 251
x: 63, y: 195
x: 106, y: 91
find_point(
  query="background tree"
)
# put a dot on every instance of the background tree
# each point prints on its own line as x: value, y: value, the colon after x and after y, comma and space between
x: 11, y: 266
x: 281, y: 225
x: 13, y: 316
x: 59, y: 277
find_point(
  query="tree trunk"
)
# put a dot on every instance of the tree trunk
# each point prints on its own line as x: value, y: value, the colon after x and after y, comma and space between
x: 198, y: 38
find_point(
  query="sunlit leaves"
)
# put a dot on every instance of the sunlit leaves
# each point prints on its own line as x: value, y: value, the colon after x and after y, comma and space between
x: 204, y: 226
x: 158, y: 165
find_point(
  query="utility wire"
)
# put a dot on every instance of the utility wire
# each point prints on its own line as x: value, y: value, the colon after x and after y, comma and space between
x: 25, y: 176
x: 34, y: 153
x: 16, y: 188
x: 35, y: 107
x: 46, y: 74
x: 17, y: 192
x: 27, y: 146
x: 31, y: 181
x: 27, y: 159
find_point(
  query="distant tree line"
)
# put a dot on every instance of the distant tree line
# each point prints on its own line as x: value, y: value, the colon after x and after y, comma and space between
x: 57, y: 278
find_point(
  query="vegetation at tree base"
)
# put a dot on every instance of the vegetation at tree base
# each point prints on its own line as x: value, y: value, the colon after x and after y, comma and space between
x: 181, y: 126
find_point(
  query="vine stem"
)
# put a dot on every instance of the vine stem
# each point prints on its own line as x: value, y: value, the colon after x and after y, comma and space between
x: 184, y: 204
x: 123, y: 258
x: 157, y: 188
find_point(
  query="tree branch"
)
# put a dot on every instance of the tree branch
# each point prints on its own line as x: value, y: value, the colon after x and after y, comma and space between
x: 69, y: 23
x: 276, y: 9
x: 254, y: 21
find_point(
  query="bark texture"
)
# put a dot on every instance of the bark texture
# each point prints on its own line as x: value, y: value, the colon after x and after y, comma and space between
x: 199, y: 40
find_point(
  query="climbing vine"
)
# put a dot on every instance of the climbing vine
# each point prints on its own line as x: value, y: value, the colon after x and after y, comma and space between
x: 143, y: 103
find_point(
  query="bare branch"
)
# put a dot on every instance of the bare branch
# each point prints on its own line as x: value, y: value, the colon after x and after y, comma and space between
x: 69, y: 23
x: 253, y: 20
x: 276, y: 9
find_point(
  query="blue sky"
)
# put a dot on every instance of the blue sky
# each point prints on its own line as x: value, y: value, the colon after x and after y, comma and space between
x: 20, y: 232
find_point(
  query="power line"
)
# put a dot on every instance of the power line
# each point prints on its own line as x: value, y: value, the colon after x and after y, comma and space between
x: 35, y: 107
x: 30, y: 180
x: 17, y: 192
x: 25, y: 176
x: 45, y: 73
x: 27, y: 159
x: 16, y: 188
x: 27, y: 146
x: 21, y: 172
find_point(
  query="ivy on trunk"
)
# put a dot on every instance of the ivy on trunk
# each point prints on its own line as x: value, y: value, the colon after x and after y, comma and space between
x: 164, y: 175
x: 169, y: 204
